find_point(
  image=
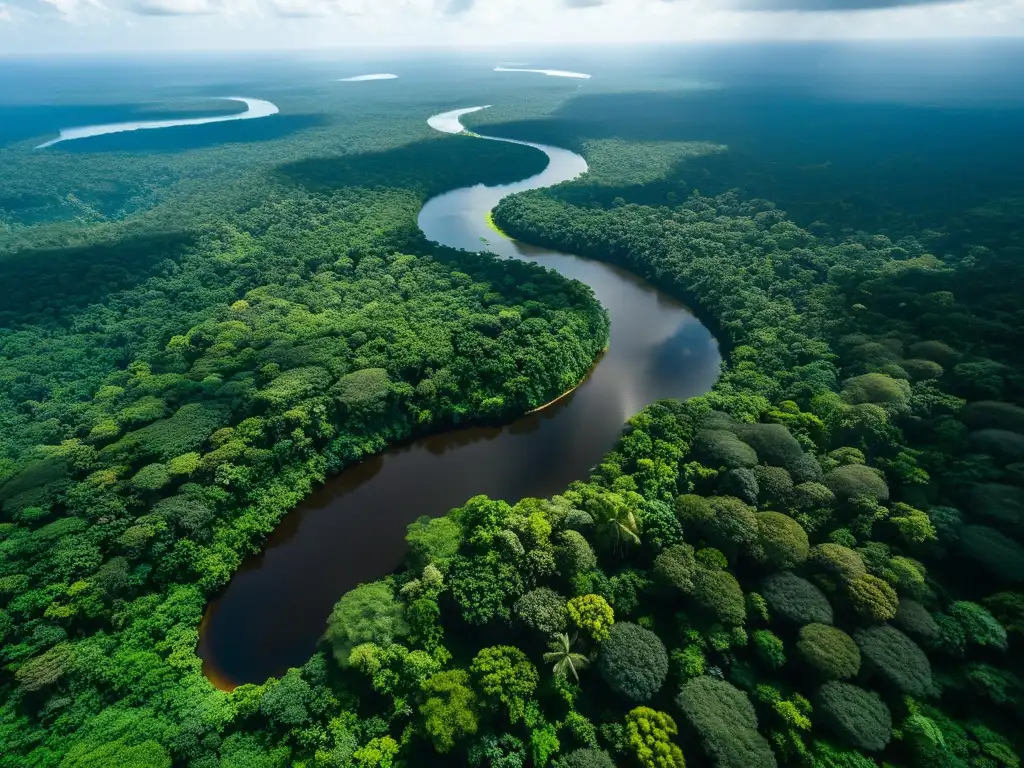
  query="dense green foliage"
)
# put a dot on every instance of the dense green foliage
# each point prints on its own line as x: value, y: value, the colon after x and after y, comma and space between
x: 829, y: 650
x: 816, y: 564
x: 858, y: 717
x: 633, y: 662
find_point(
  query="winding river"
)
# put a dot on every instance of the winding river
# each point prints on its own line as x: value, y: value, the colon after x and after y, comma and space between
x: 254, y: 108
x: 352, y: 529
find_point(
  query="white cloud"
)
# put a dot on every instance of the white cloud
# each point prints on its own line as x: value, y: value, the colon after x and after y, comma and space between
x: 205, y: 24
x: 300, y: 9
x: 176, y: 7
x: 5, y: 13
x: 51, y: 8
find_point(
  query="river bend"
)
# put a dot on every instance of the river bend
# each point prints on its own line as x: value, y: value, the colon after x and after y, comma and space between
x: 254, y: 108
x: 352, y: 529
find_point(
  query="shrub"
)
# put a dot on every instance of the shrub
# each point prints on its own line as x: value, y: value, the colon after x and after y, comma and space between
x: 857, y: 481
x: 913, y: 618
x: 733, y: 523
x: 847, y: 454
x: 891, y: 654
x: 980, y: 378
x: 649, y: 734
x: 592, y: 614
x: 1008, y: 609
x: 188, y: 512
x: 47, y: 668
x: 1002, y: 504
x: 913, y: 525
x: 938, y: 351
x: 830, y: 651
x: 578, y: 520
x: 493, y: 751
x: 676, y: 567
x: 1003, y: 445
x: 450, y: 709
x: 505, y: 675
x: 757, y: 607
x: 485, y: 586
x: 659, y: 526
x: 775, y: 445
x: 286, y: 701
x: 769, y: 648
x: 693, y: 510
x: 873, y: 598
x: 858, y: 717
x: 633, y: 662
x: 951, y: 637
x: 719, y: 592
x: 574, y: 554
x: 999, y: 554
x: 920, y: 369
x: 585, y: 758
x: 990, y: 414
x: 980, y: 627
x: 689, y: 662
x: 542, y: 609
x: 825, y: 755
x: 593, y: 582
x: 948, y: 523
x: 717, y: 448
x: 878, y: 389
x: 151, y: 477
x: 775, y: 486
x: 709, y: 557
x: 873, y: 353
x: 368, y: 614
x: 627, y: 586
x: 781, y: 540
x: 838, y: 562
x: 796, y: 599
x: 1000, y: 686
x: 433, y: 541
x: 183, y: 432
x: 724, y: 718
x: 741, y: 483
x: 805, y: 469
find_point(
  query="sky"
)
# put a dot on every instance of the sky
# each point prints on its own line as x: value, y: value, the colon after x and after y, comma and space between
x: 110, y: 26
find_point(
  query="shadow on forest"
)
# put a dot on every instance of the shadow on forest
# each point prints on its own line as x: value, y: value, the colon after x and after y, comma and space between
x: 189, y: 137
x: 872, y: 166
x: 52, y: 282
x: 431, y: 166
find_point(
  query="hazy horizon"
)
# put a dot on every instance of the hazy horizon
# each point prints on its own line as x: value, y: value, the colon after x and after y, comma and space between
x: 46, y: 27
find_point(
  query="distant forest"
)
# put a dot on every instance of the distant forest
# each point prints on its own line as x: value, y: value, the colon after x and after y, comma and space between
x: 819, y: 563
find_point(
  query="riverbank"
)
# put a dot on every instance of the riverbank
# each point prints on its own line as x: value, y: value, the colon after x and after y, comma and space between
x: 569, y: 391
x: 492, y: 224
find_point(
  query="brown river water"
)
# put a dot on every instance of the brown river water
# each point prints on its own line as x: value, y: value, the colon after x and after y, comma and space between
x: 352, y: 529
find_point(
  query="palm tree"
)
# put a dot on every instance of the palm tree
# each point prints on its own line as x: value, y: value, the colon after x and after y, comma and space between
x: 616, y: 518
x: 564, y: 658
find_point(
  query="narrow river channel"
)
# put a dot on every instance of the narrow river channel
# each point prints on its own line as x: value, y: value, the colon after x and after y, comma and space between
x: 352, y: 529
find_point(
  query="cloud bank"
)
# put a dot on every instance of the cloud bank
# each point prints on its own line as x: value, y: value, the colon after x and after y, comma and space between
x: 833, y: 5
x: 68, y: 26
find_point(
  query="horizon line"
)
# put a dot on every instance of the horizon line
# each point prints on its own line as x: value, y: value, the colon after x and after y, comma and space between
x: 457, y: 47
